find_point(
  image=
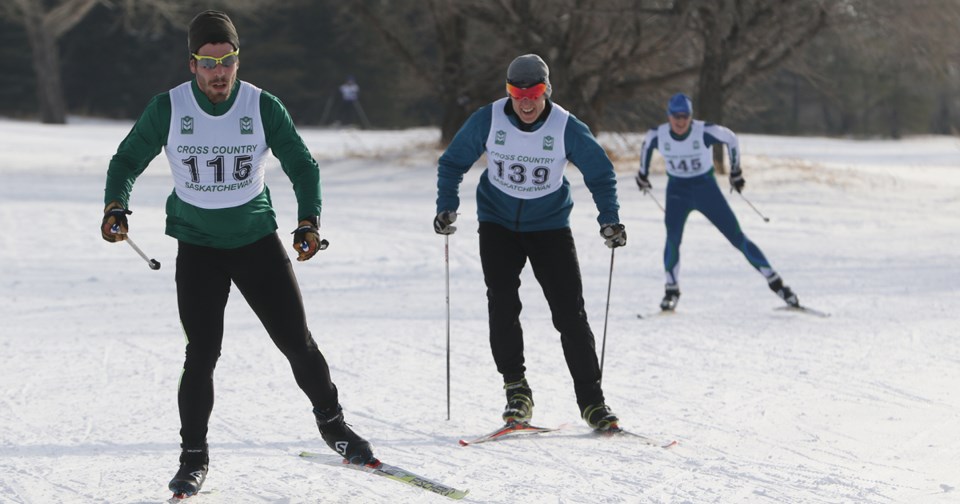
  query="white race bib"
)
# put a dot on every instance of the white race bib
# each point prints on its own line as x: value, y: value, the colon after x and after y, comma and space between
x: 526, y: 165
x: 216, y: 161
x: 685, y: 158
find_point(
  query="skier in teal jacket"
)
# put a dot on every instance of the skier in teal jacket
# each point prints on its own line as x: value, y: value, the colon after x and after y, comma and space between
x: 524, y: 204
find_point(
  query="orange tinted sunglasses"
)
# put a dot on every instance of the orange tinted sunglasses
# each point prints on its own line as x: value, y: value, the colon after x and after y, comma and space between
x: 532, y: 92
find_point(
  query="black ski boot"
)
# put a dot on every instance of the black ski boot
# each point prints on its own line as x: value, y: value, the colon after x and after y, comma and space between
x: 670, y: 298
x: 601, y: 418
x: 784, y: 292
x: 192, y: 473
x: 341, y: 438
x: 519, y: 402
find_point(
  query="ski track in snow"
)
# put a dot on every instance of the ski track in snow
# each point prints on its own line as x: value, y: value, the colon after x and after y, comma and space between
x: 767, y: 406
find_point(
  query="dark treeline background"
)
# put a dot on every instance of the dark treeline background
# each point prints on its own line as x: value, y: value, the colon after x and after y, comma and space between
x: 834, y: 67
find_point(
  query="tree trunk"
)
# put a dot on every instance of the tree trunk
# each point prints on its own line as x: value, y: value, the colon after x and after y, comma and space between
x: 711, y: 97
x: 942, y: 124
x: 44, y: 29
x: 46, y: 67
x: 794, y: 104
x: 455, y: 92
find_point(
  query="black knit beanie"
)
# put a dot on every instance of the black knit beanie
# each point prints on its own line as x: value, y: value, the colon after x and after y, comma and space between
x: 211, y: 27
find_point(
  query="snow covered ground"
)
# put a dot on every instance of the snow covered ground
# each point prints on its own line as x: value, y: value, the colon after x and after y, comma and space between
x: 768, y: 406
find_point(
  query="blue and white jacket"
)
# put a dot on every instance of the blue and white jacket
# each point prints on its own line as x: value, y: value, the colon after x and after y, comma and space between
x: 694, y: 145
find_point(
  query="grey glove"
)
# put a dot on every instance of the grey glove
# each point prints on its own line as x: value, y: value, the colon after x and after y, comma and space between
x: 736, y: 180
x: 442, y: 223
x: 614, y: 235
x: 643, y: 183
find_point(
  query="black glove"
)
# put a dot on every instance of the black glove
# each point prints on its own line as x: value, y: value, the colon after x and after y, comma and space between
x: 306, y: 238
x: 114, y: 225
x: 643, y: 183
x: 736, y: 180
x: 442, y: 222
x: 614, y: 234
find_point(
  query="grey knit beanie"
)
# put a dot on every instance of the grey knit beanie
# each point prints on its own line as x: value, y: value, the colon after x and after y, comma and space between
x: 529, y: 70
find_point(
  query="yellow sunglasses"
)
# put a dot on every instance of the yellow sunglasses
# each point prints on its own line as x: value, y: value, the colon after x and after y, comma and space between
x: 209, y: 62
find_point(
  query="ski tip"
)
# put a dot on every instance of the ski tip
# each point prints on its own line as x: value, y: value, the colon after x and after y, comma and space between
x: 618, y: 431
x: 804, y: 309
x: 464, y: 443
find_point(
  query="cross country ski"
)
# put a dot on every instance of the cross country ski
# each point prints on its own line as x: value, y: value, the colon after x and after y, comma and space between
x: 396, y: 474
x: 618, y: 432
x: 509, y: 430
x: 804, y: 309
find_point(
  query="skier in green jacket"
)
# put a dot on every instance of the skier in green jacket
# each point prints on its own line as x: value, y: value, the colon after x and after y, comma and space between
x: 216, y: 132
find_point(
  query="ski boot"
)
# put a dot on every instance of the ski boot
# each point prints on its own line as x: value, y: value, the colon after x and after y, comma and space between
x: 192, y: 473
x: 341, y: 438
x: 519, y: 408
x: 601, y: 418
x: 784, y: 292
x: 670, y: 298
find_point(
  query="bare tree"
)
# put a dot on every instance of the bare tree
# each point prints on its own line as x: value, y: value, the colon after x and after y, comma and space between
x: 887, y: 67
x: 437, y: 52
x: 742, y: 39
x: 877, y: 68
x: 600, y: 52
x: 45, y: 23
x: 44, y: 28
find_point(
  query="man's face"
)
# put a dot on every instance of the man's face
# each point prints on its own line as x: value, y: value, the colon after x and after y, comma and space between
x: 528, y: 103
x: 215, y: 82
x: 679, y: 123
x: 529, y: 110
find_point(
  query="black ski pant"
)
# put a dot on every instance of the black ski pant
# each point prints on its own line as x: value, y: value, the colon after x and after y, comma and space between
x: 263, y: 274
x: 553, y: 256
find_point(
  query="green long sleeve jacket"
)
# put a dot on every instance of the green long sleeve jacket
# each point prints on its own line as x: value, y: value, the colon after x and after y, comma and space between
x: 227, y: 227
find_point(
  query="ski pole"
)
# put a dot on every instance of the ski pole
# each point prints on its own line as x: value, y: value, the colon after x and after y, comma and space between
x: 654, y: 198
x: 765, y: 218
x: 603, y: 348
x: 446, y: 257
x: 153, y: 263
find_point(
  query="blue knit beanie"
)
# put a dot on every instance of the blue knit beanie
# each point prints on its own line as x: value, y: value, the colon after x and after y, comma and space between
x: 680, y: 104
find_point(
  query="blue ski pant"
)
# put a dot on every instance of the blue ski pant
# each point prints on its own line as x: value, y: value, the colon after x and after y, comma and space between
x: 702, y: 193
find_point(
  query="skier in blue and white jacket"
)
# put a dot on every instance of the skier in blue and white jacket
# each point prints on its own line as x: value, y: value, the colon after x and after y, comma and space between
x: 686, y: 146
x: 524, y: 204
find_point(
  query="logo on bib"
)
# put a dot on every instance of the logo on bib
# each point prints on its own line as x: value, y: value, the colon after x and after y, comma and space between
x: 186, y: 125
x: 696, y: 144
x: 666, y: 146
x: 246, y: 126
x: 548, y: 143
x: 501, y: 137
